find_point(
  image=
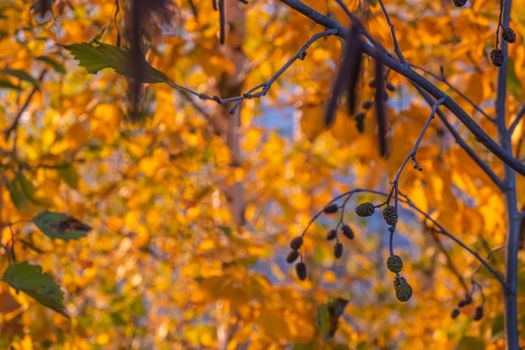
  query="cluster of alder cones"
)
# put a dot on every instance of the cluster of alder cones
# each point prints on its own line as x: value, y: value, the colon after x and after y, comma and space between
x: 394, y: 262
x: 333, y: 234
x: 496, y: 55
x: 478, y: 312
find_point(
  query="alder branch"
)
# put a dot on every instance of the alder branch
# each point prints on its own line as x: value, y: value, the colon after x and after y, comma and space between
x: 450, y: 263
x: 438, y: 228
x: 444, y: 80
x: 16, y: 121
x: 406, y: 71
x: 445, y: 232
x: 412, y: 155
x: 263, y: 88
x: 475, y: 157
x: 397, y: 49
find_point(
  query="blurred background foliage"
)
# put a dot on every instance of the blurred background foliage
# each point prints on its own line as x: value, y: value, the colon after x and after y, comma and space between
x: 166, y: 266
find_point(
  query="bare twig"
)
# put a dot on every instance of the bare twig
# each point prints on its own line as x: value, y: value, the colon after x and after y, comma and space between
x: 445, y: 232
x: 450, y: 263
x: 438, y: 228
x: 14, y: 124
x: 397, y: 50
x: 263, y: 88
x: 444, y: 80
x: 406, y: 71
x: 487, y: 169
x: 413, y: 152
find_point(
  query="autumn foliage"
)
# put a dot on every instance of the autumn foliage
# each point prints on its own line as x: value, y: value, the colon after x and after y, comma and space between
x: 276, y: 191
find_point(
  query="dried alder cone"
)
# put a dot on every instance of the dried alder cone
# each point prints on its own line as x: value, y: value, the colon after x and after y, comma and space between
x: 292, y: 256
x: 331, y: 208
x: 454, y: 314
x: 331, y: 235
x: 348, y: 232
x: 390, y: 215
x: 300, y: 269
x: 403, y: 289
x: 460, y: 3
x: 509, y: 35
x: 365, y: 209
x: 496, y: 57
x: 478, y: 313
x: 338, y: 250
x: 296, y: 243
x: 467, y: 301
x: 394, y: 263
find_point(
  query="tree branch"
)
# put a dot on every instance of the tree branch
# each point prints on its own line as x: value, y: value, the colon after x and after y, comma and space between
x: 444, y: 80
x: 406, y: 71
x: 263, y: 88
x: 14, y: 124
x: 487, y: 169
x: 397, y: 50
x: 438, y: 227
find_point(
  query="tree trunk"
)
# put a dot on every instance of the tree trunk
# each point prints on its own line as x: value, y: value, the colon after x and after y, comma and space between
x: 513, y: 215
x: 225, y: 124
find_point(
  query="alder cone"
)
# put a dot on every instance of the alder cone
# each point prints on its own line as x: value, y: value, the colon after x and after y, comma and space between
x: 403, y: 292
x: 478, y: 313
x: 296, y: 243
x: 454, y: 314
x: 398, y: 281
x: 365, y: 209
x: 390, y: 215
x: 496, y: 57
x: 300, y: 269
x: 292, y: 256
x: 338, y: 250
x: 348, y: 232
x: 331, y: 208
x: 459, y: 3
x: 394, y: 263
x: 331, y: 235
x: 509, y: 35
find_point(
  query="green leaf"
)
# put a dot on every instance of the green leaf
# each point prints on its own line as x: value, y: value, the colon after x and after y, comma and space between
x: 20, y: 74
x: 96, y: 56
x: 53, y: 63
x: 322, y: 320
x: 17, y: 194
x: 308, y: 346
x: 498, y: 325
x: 6, y: 84
x: 469, y: 343
x: 37, y: 284
x: 69, y: 174
x: 60, y: 225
